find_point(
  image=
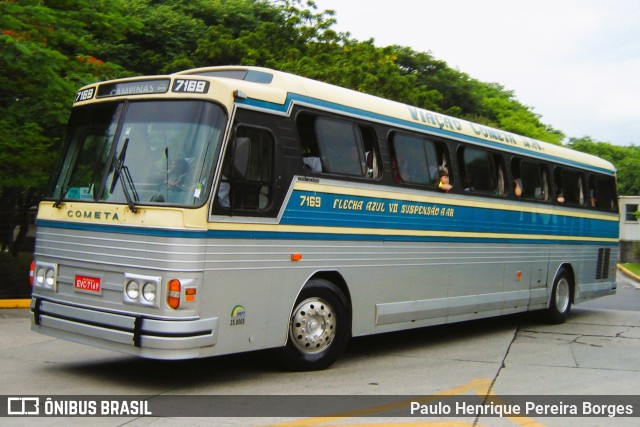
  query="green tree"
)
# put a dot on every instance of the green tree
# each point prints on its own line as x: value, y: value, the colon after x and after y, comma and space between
x: 163, y: 38
x: 47, y: 53
x: 52, y: 47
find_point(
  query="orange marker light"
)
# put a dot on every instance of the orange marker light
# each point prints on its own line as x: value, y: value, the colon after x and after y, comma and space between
x: 296, y: 257
x: 519, y: 276
x: 190, y: 294
x: 173, y: 296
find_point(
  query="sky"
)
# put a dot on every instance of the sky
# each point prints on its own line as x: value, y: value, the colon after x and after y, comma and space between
x: 576, y: 63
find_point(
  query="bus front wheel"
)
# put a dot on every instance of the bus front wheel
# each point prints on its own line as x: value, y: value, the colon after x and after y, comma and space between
x: 319, y: 327
x: 560, y: 302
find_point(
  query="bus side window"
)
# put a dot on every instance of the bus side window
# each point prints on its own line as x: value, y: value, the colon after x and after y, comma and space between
x: 338, y: 146
x: 602, y: 193
x: 570, y: 186
x: 420, y: 161
x: 247, y: 171
x: 479, y: 171
x: 415, y: 160
x: 531, y: 178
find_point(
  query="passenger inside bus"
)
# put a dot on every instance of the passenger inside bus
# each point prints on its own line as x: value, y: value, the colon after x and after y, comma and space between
x: 517, y: 187
x: 177, y: 174
x: 394, y: 171
x: 443, y: 183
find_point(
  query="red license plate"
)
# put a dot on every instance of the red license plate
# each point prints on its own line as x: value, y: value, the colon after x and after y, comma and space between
x: 87, y: 284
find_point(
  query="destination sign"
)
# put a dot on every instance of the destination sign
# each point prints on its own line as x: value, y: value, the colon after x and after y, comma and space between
x: 141, y: 87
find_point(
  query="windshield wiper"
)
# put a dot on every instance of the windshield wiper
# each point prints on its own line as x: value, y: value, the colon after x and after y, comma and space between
x: 120, y: 169
x: 63, y: 194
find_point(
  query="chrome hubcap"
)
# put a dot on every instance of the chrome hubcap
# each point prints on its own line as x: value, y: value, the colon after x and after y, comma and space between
x: 312, y: 327
x: 562, y: 295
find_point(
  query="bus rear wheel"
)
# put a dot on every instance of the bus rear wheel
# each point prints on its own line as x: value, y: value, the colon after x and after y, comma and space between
x: 319, y: 327
x: 560, y: 302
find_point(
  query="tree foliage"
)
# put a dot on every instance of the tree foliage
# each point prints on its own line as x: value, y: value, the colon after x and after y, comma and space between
x: 52, y: 47
x: 47, y: 52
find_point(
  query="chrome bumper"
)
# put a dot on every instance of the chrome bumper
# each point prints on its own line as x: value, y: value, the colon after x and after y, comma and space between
x: 128, y: 333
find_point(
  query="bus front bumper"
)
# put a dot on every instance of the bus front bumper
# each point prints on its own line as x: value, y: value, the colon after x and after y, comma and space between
x: 123, y: 332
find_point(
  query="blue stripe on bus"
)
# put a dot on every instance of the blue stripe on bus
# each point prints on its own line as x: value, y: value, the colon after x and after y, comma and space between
x: 337, y: 210
x: 388, y: 235
x: 294, y: 97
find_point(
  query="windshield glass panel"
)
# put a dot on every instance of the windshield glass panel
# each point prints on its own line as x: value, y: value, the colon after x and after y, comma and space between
x: 146, y: 152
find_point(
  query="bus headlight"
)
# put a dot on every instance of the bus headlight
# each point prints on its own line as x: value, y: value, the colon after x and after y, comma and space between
x: 149, y: 291
x: 39, y: 281
x: 132, y: 289
x: 46, y: 276
x: 49, y: 278
x: 141, y: 290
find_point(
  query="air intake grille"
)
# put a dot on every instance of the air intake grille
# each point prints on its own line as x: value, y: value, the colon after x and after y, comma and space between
x: 602, y: 266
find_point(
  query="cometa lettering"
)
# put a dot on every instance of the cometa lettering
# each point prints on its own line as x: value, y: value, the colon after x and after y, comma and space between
x: 493, y: 134
x: 96, y: 215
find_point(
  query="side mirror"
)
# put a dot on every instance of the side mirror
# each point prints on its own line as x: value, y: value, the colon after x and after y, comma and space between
x: 241, y: 155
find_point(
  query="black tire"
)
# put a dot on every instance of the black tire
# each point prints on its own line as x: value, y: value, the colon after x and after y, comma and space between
x: 319, y: 328
x: 561, y: 295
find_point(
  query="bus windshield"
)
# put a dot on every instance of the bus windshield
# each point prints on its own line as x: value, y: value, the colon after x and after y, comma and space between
x: 140, y: 153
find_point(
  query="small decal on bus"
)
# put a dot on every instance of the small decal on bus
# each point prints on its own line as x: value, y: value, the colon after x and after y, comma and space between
x: 237, y: 316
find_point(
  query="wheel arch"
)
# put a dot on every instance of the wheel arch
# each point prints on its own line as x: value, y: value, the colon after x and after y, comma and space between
x: 338, y: 280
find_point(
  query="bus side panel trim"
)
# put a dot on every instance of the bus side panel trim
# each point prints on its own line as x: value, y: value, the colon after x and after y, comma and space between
x: 408, y: 311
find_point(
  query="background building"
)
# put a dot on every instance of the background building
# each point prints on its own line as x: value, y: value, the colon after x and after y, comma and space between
x: 629, y: 228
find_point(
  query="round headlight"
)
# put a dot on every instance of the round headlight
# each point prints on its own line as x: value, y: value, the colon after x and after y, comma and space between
x: 132, y: 289
x: 50, y: 277
x: 40, y: 276
x: 149, y: 291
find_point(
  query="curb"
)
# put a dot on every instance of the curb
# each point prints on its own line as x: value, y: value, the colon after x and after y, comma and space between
x: 15, y: 303
x: 628, y: 273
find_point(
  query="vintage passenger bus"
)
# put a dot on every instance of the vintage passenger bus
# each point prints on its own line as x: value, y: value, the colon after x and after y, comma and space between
x: 229, y: 209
